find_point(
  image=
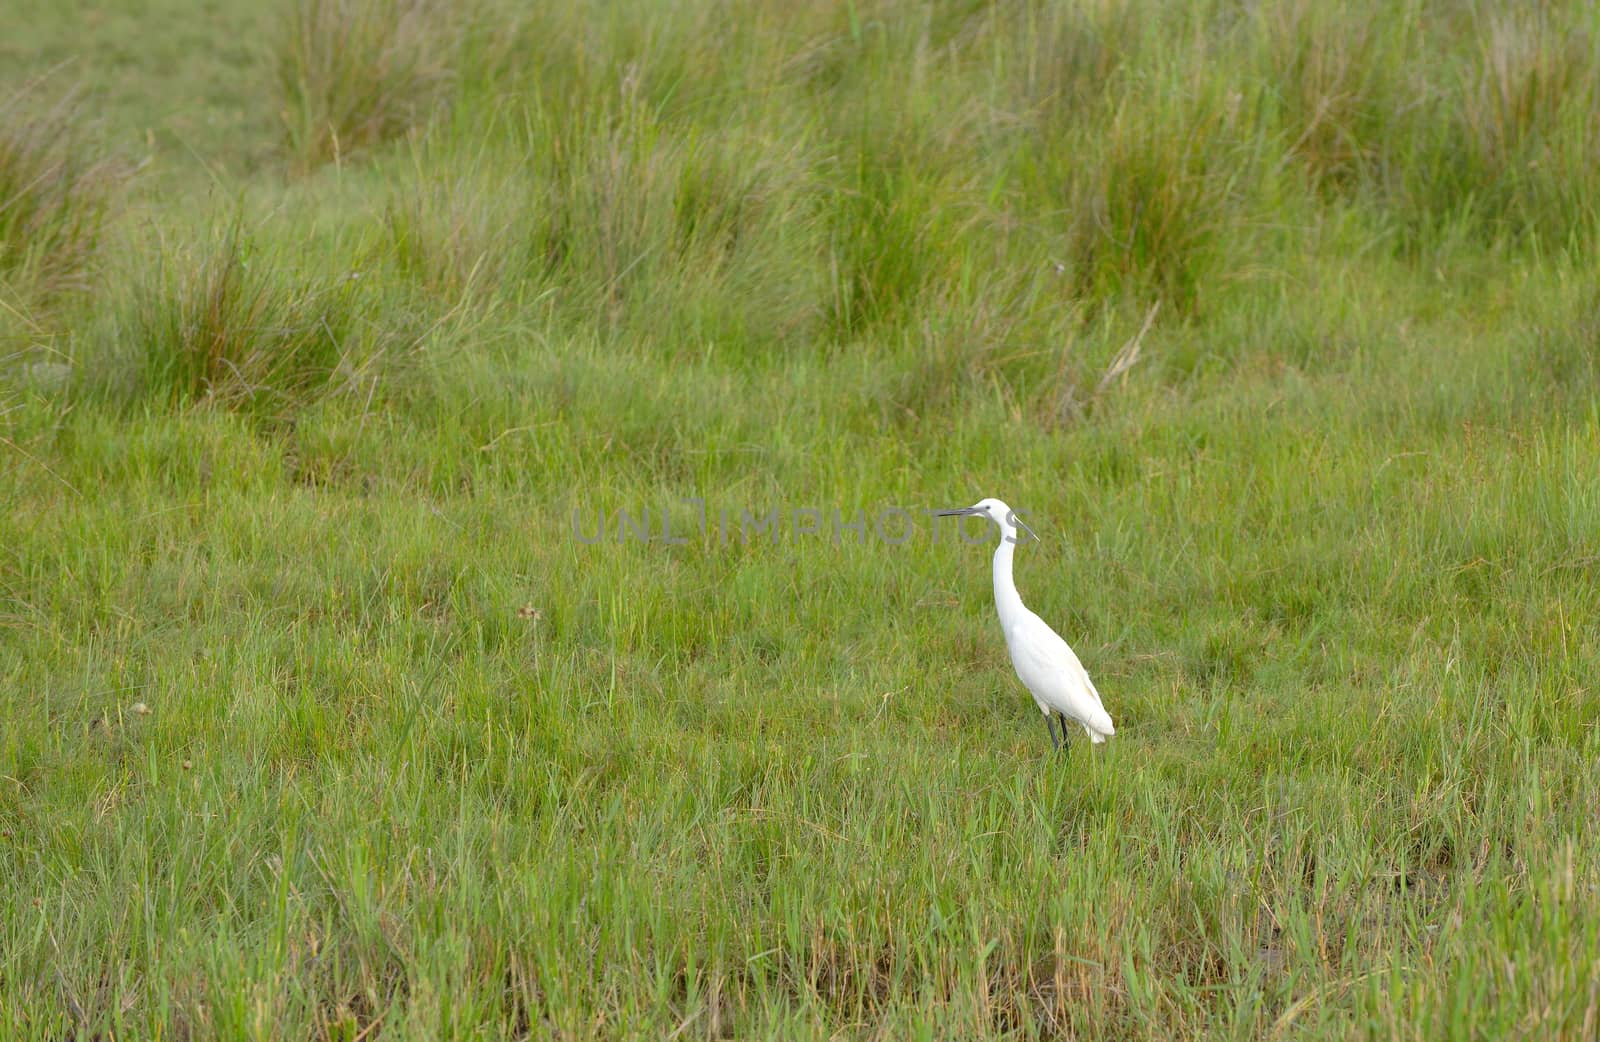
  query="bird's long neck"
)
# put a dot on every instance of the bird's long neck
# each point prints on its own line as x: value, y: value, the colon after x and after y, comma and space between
x: 1006, y: 599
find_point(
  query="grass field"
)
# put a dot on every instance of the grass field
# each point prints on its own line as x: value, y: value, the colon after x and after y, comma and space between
x: 329, y: 331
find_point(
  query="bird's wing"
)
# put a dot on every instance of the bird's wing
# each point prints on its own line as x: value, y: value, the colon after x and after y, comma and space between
x: 1043, y: 658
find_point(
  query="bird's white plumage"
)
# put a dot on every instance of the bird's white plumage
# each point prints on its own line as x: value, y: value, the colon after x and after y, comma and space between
x: 1044, y: 662
x: 1050, y: 669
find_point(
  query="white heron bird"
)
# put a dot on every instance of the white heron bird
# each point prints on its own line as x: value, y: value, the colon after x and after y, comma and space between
x: 1044, y: 663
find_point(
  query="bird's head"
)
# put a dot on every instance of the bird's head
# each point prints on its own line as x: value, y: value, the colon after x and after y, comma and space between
x: 995, y: 511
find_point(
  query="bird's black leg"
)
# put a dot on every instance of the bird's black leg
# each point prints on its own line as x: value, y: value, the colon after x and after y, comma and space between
x: 1050, y: 722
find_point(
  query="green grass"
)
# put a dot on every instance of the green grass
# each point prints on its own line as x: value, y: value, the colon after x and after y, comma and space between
x: 353, y: 74
x: 54, y: 202
x: 319, y: 720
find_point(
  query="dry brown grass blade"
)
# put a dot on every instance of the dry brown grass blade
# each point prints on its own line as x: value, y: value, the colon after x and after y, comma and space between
x: 1068, y: 403
x: 1128, y: 356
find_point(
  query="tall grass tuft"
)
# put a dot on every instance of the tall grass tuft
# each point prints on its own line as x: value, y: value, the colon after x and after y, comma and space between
x: 1476, y: 123
x: 885, y: 227
x: 1067, y: 56
x: 1336, y: 75
x: 55, y: 200
x: 1165, y: 192
x: 228, y: 324
x: 615, y: 221
x: 353, y: 74
x: 1524, y: 126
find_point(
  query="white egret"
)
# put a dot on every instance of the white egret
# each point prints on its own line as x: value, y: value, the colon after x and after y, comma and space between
x: 1044, y: 662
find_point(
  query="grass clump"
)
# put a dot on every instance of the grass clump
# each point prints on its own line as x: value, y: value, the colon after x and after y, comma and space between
x: 615, y: 222
x: 1471, y: 121
x: 353, y: 74
x: 1333, y: 70
x: 55, y: 200
x: 229, y: 324
x: 1524, y: 128
x: 1172, y: 186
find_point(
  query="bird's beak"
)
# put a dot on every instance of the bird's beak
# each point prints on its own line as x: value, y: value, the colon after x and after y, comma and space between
x: 958, y: 512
